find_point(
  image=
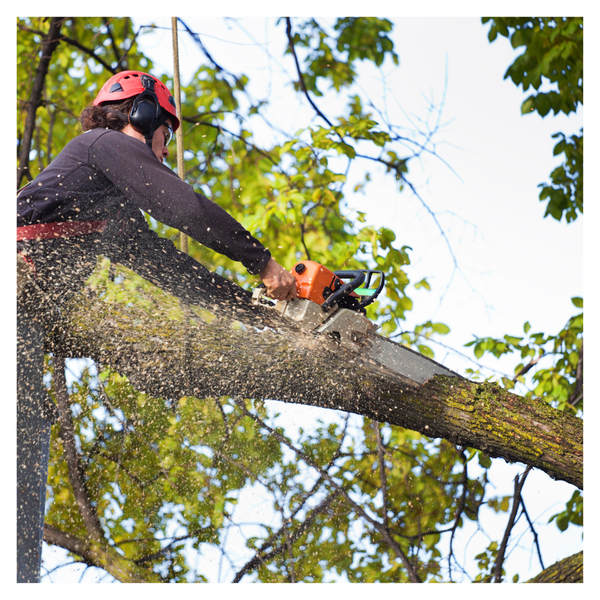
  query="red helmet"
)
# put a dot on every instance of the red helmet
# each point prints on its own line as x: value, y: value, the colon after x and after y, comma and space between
x: 128, y: 84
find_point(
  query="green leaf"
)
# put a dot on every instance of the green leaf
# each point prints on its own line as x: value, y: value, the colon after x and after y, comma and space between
x: 423, y: 284
x: 425, y: 350
x: 484, y: 460
x: 527, y: 106
x: 578, y: 302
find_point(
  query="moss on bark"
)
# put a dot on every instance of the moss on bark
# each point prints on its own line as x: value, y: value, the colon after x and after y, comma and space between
x: 568, y: 570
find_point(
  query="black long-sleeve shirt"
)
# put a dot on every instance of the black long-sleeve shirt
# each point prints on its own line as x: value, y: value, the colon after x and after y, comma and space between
x: 104, y: 174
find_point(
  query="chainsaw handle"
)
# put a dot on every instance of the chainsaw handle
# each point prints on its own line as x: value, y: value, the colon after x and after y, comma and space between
x: 376, y: 293
x: 357, y: 277
x: 357, y: 281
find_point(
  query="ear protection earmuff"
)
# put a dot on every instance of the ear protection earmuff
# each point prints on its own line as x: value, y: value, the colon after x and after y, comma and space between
x: 146, y: 115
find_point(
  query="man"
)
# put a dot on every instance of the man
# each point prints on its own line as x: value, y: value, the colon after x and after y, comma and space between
x: 85, y: 203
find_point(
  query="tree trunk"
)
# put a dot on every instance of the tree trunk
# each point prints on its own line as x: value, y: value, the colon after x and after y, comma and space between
x: 165, y: 355
x: 48, y: 46
x: 568, y: 570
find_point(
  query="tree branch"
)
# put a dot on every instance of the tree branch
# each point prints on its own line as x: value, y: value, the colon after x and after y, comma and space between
x: 382, y: 530
x: 112, y: 40
x: 382, y: 474
x: 91, y: 53
x: 290, y: 37
x: 536, y: 540
x: 76, y: 477
x: 97, y: 554
x: 577, y: 395
x: 49, y: 45
x: 568, y: 570
x: 262, y: 555
x: 519, y: 481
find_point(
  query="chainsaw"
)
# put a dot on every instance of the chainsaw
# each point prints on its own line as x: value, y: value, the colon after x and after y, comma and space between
x: 333, y: 303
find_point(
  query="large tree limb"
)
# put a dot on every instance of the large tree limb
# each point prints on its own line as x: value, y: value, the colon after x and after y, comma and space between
x: 268, y: 359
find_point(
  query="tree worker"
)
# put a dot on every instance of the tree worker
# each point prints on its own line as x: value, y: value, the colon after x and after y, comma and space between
x: 87, y: 203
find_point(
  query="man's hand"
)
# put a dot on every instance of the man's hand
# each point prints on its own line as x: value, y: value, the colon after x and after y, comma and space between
x: 280, y: 283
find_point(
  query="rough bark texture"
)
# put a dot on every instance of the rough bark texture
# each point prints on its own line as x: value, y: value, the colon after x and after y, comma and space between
x: 265, y: 358
x: 568, y: 570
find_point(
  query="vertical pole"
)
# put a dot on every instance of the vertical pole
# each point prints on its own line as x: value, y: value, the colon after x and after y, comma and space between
x: 180, y: 165
x: 33, y: 442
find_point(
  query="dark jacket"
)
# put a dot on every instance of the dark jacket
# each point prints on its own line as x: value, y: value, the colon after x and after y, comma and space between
x: 104, y: 174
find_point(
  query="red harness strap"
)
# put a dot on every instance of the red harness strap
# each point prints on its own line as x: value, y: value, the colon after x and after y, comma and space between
x: 65, y: 229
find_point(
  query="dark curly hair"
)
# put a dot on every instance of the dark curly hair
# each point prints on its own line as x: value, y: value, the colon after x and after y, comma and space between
x: 108, y: 115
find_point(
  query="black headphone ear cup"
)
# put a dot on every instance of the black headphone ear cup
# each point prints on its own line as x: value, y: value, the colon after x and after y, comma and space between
x: 143, y: 115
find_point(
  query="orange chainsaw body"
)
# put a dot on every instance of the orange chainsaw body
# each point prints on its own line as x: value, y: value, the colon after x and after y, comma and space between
x: 315, y: 282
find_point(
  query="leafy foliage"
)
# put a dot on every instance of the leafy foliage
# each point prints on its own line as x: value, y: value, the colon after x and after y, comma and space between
x: 558, y: 384
x: 553, y: 55
x: 565, y: 191
x: 332, y: 54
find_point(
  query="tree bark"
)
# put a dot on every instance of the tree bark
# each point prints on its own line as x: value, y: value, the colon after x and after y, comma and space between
x: 48, y: 46
x: 210, y: 356
x: 568, y: 570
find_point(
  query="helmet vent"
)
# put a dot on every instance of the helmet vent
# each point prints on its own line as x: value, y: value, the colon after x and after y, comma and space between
x: 116, y: 87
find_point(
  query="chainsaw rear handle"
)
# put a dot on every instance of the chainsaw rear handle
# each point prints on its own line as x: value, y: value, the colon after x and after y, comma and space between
x: 357, y: 278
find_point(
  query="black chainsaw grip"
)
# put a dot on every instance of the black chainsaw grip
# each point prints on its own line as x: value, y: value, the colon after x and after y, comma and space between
x: 357, y: 277
x: 357, y: 281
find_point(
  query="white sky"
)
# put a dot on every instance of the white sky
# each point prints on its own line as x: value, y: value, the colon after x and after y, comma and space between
x: 517, y: 265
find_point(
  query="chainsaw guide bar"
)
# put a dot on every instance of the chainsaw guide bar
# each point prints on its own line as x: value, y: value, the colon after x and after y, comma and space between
x: 349, y: 327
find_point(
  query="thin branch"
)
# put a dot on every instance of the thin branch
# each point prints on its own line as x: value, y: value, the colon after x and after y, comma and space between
x: 519, y: 481
x: 197, y: 39
x: 288, y: 31
x: 577, y: 395
x: 124, y: 55
x: 535, y: 535
x: 262, y: 555
x: 528, y: 367
x: 236, y: 135
x: 382, y: 530
x: 113, y: 42
x: 76, y: 476
x: 459, y: 511
x: 382, y: 474
x: 91, y: 53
